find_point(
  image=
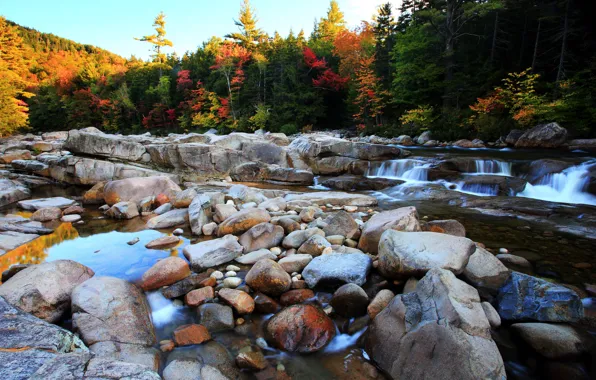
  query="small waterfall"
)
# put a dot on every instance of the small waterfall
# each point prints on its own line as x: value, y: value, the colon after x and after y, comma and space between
x: 163, y: 310
x: 493, y: 167
x: 480, y: 189
x: 407, y: 170
x: 567, y: 186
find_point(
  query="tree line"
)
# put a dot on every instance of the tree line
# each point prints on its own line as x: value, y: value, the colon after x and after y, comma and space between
x: 461, y: 68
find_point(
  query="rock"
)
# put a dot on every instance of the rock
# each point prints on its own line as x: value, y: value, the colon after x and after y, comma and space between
x: 161, y: 199
x: 438, y: 332
x: 263, y: 235
x: 404, y: 140
x: 12, y: 270
x: 341, y: 223
x: 379, y: 303
x: 265, y: 304
x: 239, y: 300
x: 349, y: 301
x: 70, y: 218
x: 550, y: 135
x: 485, y: 271
x: 554, y: 341
x: 199, y: 296
x: 525, y: 297
x: 274, y: 205
x: 513, y: 136
x: 209, y: 229
x: 73, y: 210
x: 44, y: 290
x: 104, y: 145
x: 216, y: 317
x: 123, y: 210
x: 169, y: 219
x: 295, y: 263
x: 336, y: 239
x: 268, y: 277
x: 46, y: 214
x: 406, y: 254
x: 424, y: 138
x: 199, y: 213
x: 338, y: 268
x: 12, y: 191
x: 296, y: 296
x: 491, y: 314
x: 449, y: 226
x: 242, y: 221
x: 401, y: 219
x: 468, y: 144
x: 514, y: 261
x: 307, y: 214
x: 95, y: 194
x: 36, y: 204
x: 254, y: 256
x: 314, y: 246
x: 28, y: 343
x: 135, y: 189
x: 163, y: 209
x: 300, y: 328
x: 297, y: 238
x: 335, y: 198
x: 182, y: 199
x: 111, y: 309
x: 251, y: 360
x: 224, y: 211
x: 358, y: 183
x: 163, y: 242
x: 13, y: 155
x: 410, y: 285
x: 187, y: 335
x: 165, y: 272
x: 30, y: 166
x: 232, y: 282
x: 212, y: 253
x: 130, y: 353
x: 183, y: 369
x: 133, y: 241
x: 289, y: 225
x: 100, y: 368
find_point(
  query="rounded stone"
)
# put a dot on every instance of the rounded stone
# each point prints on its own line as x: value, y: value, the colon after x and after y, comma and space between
x: 268, y: 277
x: 350, y: 300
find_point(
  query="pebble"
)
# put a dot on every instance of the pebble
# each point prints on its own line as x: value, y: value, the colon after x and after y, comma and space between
x: 239, y: 321
x: 232, y: 268
x: 209, y: 228
x: 71, y: 218
x: 178, y: 231
x: 217, y: 275
x: 276, y: 251
x: 349, y: 243
x: 230, y: 202
x: 231, y: 274
x: 232, y: 282
x: 133, y: 241
x: 503, y: 250
x: 249, y: 205
x: 328, y: 250
x: 292, y: 212
x: 351, y: 208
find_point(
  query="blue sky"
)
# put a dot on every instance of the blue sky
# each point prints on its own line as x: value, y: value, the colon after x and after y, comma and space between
x: 112, y: 24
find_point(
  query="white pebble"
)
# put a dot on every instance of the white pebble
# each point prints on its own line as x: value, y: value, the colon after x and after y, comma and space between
x: 178, y: 231
x: 503, y: 250
x: 217, y: 275
x: 276, y: 251
x: 231, y: 274
x: 230, y: 202
x: 350, y: 208
x: 232, y: 282
x: 232, y: 267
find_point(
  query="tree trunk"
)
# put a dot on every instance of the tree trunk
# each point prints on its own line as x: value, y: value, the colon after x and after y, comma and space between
x: 449, y: 51
x: 560, y: 72
x: 536, y: 45
x: 495, y: 32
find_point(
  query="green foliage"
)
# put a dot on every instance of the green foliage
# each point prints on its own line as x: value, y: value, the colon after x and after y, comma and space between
x: 289, y: 129
x: 419, y: 119
x: 260, y: 118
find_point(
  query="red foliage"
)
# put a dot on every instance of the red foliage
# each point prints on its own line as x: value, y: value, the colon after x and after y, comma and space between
x: 183, y: 81
x: 224, y: 111
x: 330, y: 80
x: 160, y: 117
x: 311, y: 60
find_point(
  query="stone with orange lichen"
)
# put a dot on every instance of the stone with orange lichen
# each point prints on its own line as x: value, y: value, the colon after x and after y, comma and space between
x: 268, y: 277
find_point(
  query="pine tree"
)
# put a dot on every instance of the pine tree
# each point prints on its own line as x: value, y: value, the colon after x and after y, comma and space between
x: 331, y: 25
x: 159, y: 39
x: 249, y: 35
x: 384, y: 29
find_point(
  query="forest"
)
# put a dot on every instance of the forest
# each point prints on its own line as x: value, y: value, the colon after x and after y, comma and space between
x: 461, y: 68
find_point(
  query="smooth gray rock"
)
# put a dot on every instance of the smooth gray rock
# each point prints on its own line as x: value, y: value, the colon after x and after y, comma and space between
x: 10, y: 240
x: 130, y: 353
x: 169, y: 219
x: 102, y: 368
x: 254, y: 256
x: 555, y: 341
x: 199, y: 213
x: 36, y: 204
x: 104, y: 145
x: 183, y: 369
x: 212, y: 253
x: 216, y: 317
x: 485, y: 271
x: 123, y: 210
x: 296, y: 238
x: 337, y: 268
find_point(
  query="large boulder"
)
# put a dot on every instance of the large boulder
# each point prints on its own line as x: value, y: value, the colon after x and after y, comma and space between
x: 199, y: 213
x: 527, y: 298
x: 110, y: 309
x: 268, y: 277
x: 424, y: 138
x: 104, y: 145
x: 439, y: 331
x: 513, y: 136
x: 550, y: 135
x: 212, y: 253
x: 135, y: 189
x: 300, y: 328
x: 485, y: 271
x: 263, y: 235
x: 401, y: 219
x: 337, y: 268
x: 335, y: 198
x: 357, y: 183
x: 555, y: 341
x: 12, y: 191
x: 28, y: 343
x: 165, y: 272
x: 407, y: 254
x: 242, y: 221
x: 44, y: 290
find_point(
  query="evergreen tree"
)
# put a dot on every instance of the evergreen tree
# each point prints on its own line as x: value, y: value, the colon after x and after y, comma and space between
x: 249, y: 35
x: 158, y: 40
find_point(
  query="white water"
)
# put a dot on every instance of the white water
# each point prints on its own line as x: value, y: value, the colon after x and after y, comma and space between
x: 566, y: 187
x: 405, y: 170
x: 473, y: 188
x: 492, y: 167
x: 163, y: 310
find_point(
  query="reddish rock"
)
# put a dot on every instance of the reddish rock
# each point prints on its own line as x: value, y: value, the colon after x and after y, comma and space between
x: 300, y: 328
x: 160, y: 200
x: 251, y: 360
x: 199, y: 296
x: 191, y: 334
x: 165, y: 272
x: 167, y: 346
x: 209, y: 281
x: 163, y: 242
x: 296, y: 296
x: 268, y: 277
x: 299, y: 284
x: 239, y: 300
x: 242, y: 221
x: 265, y: 304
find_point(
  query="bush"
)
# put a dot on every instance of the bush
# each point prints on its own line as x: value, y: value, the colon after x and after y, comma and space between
x: 289, y: 129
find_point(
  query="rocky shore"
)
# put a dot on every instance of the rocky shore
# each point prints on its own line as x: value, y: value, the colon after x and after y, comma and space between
x: 428, y: 301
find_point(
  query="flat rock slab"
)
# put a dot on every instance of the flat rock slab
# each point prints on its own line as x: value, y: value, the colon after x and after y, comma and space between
x: 10, y: 240
x: 338, y: 268
x: 335, y: 198
x: 36, y: 204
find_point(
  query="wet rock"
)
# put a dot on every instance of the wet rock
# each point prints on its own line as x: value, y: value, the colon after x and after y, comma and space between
x: 123, y: 210
x: 217, y: 357
x: 28, y: 343
x: 406, y: 254
x: 335, y: 198
x: 295, y: 263
x: 349, y: 301
x: 550, y: 135
x: 356, y: 183
x: 72, y: 210
x: 424, y: 138
x: 44, y: 290
x: 199, y: 213
x: 265, y: 304
x: 449, y: 226
x: 163, y: 242
x: 182, y: 199
x: 169, y: 219
x: 46, y: 214
x: 183, y: 369
x: 516, y: 262
x: 485, y: 271
x: 380, y: 302
x: 314, y: 246
x: 401, y: 219
x: 251, y: 360
x: 135, y: 189
x: 254, y: 256
x: 268, y: 277
x: 133, y: 241
x: 239, y: 300
x: 160, y: 210
x: 212, y: 253
x: 439, y: 331
x: 555, y: 341
x: 242, y: 221
x: 338, y: 268
x: 540, y: 168
x: 216, y: 317
x: 130, y: 353
x: 36, y: 204
x: 199, y: 296
x: 491, y: 314
x: 525, y: 297
x: 165, y: 272
x: 296, y: 296
x: 300, y: 328
x: 297, y: 238
x: 263, y: 235
x: 187, y: 335
x: 111, y: 309
x: 289, y: 225
x: 513, y: 136
x: 16, y: 154
x: 224, y: 211
x: 95, y: 194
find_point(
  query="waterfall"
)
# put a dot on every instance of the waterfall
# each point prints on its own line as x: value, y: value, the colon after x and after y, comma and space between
x: 567, y: 186
x: 493, y: 167
x: 407, y: 170
x: 473, y: 188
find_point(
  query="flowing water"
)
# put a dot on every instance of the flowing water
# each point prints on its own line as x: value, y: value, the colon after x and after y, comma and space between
x: 101, y: 244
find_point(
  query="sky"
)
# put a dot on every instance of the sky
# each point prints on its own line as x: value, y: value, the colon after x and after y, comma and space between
x: 113, y: 24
